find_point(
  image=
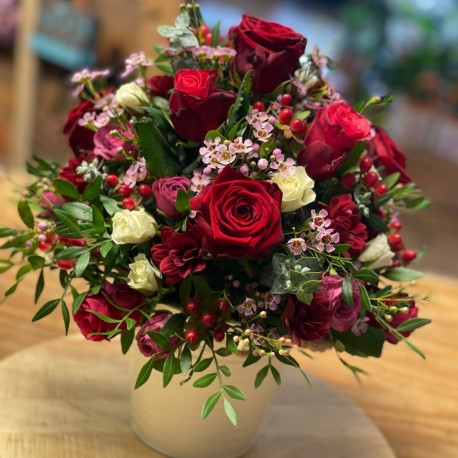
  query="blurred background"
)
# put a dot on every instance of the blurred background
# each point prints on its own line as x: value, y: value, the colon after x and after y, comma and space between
x: 407, y: 48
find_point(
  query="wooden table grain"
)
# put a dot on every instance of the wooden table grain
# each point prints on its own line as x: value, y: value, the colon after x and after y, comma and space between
x: 414, y: 402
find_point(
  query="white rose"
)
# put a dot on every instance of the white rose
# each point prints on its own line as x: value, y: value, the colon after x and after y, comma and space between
x: 132, y: 97
x: 135, y: 226
x: 377, y: 253
x: 142, y: 275
x: 297, y: 189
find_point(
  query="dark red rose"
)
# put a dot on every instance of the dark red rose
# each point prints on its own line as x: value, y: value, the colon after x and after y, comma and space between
x: 384, y: 151
x: 197, y: 105
x: 270, y: 50
x: 240, y: 217
x: 179, y: 254
x: 159, y: 86
x: 401, y: 316
x: 146, y: 345
x: 165, y: 192
x: 346, y: 220
x: 333, y: 133
x: 80, y: 139
x: 68, y: 173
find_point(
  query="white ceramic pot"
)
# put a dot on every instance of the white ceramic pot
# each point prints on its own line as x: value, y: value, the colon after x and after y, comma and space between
x: 168, y: 419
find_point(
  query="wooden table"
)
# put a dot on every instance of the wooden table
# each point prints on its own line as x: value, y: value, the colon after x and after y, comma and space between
x: 413, y: 402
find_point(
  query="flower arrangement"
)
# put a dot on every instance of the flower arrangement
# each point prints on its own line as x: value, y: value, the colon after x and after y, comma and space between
x: 238, y: 188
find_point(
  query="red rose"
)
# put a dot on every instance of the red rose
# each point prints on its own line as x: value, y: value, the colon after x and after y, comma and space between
x: 333, y: 133
x: 179, y: 254
x: 240, y: 217
x: 197, y: 105
x: 384, y: 151
x: 159, y: 86
x: 69, y: 173
x: 165, y: 192
x: 80, y: 139
x: 346, y: 220
x: 270, y: 50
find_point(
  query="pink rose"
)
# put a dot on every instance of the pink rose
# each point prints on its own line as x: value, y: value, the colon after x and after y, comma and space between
x: 165, y: 191
x: 109, y: 146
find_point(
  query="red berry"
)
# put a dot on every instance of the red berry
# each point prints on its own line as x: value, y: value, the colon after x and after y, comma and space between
x: 192, y: 336
x: 286, y: 100
x: 395, y: 241
x: 208, y: 39
x: 222, y: 304
x: 128, y: 203
x: 285, y: 116
x: 259, y: 106
x: 218, y: 335
x: 111, y: 180
x: 192, y: 307
x: 395, y: 264
x: 125, y: 190
x: 348, y: 181
x: 381, y: 189
x: 409, y: 255
x: 44, y: 246
x: 297, y: 126
x: 204, y: 30
x: 370, y: 179
x: 208, y: 319
x: 145, y: 190
x: 66, y: 264
x: 396, y: 225
x: 365, y: 163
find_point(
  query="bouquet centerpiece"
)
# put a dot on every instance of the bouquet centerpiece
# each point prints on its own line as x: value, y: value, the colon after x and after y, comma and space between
x: 239, y: 189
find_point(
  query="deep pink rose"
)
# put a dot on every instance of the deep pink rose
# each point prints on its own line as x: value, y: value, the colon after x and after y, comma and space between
x: 384, y: 151
x: 197, y: 105
x: 240, y: 217
x: 80, y: 139
x: 109, y: 146
x: 333, y: 133
x: 165, y: 192
x: 147, y: 346
x: 270, y: 50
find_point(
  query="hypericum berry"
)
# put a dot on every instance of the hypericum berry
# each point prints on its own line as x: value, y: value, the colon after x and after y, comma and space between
x: 218, y: 335
x: 285, y: 116
x: 125, y: 190
x: 259, y: 106
x: 128, y: 203
x: 66, y: 264
x: 192, y: 306
x: 145, y: 190
x: 396, y: 225
x: 395, y: 264
x: 111, y: 180
x: 286, y: 100
x: 298, y: 127
x: 204, y: 30
x: 222, y: 304
x: 409, y: 255
x: 395, y: 241
x: 381, y: 189
x: 44, y: 246
x: 192, y: 336
x: 365, y: 163
x: 208, y: 319
x: 348, y: 181
x: 370, y: 179
x: 208, y: 39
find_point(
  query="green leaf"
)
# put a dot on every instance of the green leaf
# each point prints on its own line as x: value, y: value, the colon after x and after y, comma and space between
x: 93, y: 189
x: 185, y: 290
x: 412, y: 324
x: 37, y: 262
x: 210, y: 404
x: 23, y: 271
x: 169, y: 369
x: 353, y: 157
x: 7, y: 232
x: 105, y: 248
x: 223, y: 352
x: 419, y: 203
x: 26, y: 214
x: 127, y: 338
x: 289, y: 360
x: 205, y: 380
x: 174, y: 325
x: 78, y: 210
x: 390, y: 180
x: 155, y: 149
x: 71, y: 252
x: 182, y: 202
x: 376, y: 222
x: 214, y: 134
x: 81, y: 264
x: 365, y: 298
x: 251, y: 359
x: 110, y: 205
x: 67, y: 189
x: 201, y: 286
x: 402, y: 274
x: 215, y: 34
x: 234, y: 392
x: 203, y: 364
x: 241, y: 105
x: 103, y: 317
x: 65, y: 316
x: 225, y: 370
x: 367, y: 275
x: 48, y: 308
x: 70, y: 223
x: 347, y: 291
x: 159, y: 339
x: 182, y: 21
x: 185, y: 359
x: 78, y: 300
x: 130, y: 323
x: 230, y: 344
x: 230, y: 412
x: 260, y: 376
x: 275, y: 374
x: 367, y: 344
x: 98, y: 220
x: 145, y: 373
x: 40, y: 285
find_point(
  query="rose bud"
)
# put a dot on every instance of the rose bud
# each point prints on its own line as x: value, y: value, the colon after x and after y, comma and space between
x: 133, y: 98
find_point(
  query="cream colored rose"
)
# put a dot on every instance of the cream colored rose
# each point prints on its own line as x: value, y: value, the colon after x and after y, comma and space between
x: 143, y: 276
x: 135, y: 226
x: 132, y: 97
x: 377, y: 253
x: 297, y: 189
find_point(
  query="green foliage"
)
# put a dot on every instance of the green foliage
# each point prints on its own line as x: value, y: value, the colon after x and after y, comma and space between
x: 241, y: 106
x: 180, y: 36
x: 26, y: 214
x: 402, y: 274
x: 367, y: 344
